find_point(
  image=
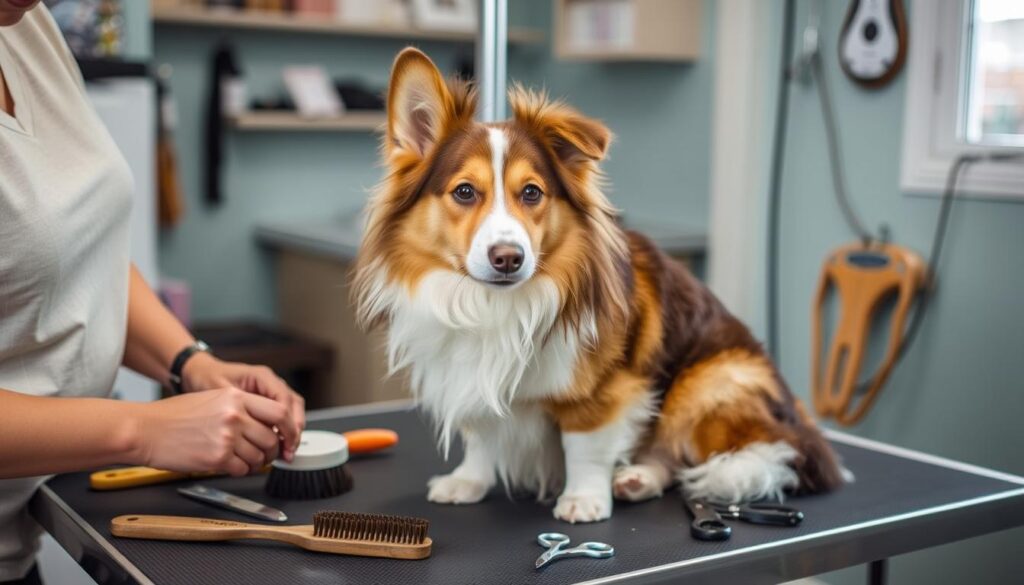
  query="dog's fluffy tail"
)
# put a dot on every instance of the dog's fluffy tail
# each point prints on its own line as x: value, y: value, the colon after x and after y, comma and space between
x: 817, y: 466
x: 804, y: 463
x: 757, y: 471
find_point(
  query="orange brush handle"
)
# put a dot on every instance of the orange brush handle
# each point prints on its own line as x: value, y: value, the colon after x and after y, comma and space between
x: 370, y: 440
x: 360, y: 442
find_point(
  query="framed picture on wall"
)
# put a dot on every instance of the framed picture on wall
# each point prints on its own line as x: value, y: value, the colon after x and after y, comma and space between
x: 447, y: 15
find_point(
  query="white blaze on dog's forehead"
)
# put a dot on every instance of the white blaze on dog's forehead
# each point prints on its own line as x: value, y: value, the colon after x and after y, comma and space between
x: 500, y: 225
x: 498, y: 142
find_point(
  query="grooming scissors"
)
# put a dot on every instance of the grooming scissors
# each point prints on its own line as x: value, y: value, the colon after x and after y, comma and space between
x: 765, y: 513
x: 708, y: 523
x: 556, y: 543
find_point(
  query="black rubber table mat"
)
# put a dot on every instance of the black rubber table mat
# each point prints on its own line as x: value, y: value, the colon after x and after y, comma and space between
x: 494, y: 541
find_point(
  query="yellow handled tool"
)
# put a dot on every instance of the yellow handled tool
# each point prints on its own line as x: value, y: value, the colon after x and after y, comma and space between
x: 359, y: 442
x: 129, y: 477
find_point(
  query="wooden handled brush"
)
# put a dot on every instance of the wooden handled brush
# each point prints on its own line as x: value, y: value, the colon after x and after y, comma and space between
x: 360, y: 442
x: 343, y: 533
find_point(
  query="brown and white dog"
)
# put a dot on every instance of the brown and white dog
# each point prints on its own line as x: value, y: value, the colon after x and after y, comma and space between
x: 571, y: 356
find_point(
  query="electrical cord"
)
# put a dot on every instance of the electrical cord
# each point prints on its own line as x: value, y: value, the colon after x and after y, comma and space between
x: 834, y: 154
x: 960, y: 164
x: 811, y: 61
x: 775, y: 182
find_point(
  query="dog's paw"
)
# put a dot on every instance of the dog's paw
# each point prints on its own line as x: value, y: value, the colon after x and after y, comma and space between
x: 635, y: 483
x: 449, y: 489
x: 583, y: 507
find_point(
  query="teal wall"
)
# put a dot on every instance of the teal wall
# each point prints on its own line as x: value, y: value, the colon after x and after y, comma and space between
x: 660, y: 113
x: 659, y: 165
x: 960, y: 391
x: 138, y: 42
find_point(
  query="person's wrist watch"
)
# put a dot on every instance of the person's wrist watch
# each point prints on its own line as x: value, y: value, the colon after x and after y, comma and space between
x: 178, y: 365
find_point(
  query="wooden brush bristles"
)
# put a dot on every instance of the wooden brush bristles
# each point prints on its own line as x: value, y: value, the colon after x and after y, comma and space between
x: 375, y: 527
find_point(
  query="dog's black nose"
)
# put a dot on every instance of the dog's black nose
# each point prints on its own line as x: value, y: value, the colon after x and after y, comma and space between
x: 506, y: 258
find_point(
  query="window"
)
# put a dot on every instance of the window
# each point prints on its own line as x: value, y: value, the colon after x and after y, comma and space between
x: 994, y: 98
x: 965, y: 92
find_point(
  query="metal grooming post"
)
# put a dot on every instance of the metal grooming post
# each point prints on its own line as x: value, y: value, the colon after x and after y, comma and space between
x: 492, y: 59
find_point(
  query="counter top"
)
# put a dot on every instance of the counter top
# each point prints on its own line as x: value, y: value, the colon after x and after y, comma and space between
x: 340, y: 237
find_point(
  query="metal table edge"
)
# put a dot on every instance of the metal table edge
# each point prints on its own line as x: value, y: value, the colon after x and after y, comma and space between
x: 921, y: 456
x: 975, y: 516
x: 789, y: 559
x: 60, y: 521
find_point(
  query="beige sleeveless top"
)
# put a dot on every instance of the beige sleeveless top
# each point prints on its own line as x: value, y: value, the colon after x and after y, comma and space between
x: 65, y: 199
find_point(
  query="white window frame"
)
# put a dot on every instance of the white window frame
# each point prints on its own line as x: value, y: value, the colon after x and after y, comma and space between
x: 932, y: 113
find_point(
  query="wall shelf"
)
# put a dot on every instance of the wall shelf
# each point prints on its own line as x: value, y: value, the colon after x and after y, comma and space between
x: 285, y: 22
x: 271, y: 121
x: 628, y: 30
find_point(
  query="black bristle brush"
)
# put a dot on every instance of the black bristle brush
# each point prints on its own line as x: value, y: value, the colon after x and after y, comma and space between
x: 344, y: 533
x: 318, y: 469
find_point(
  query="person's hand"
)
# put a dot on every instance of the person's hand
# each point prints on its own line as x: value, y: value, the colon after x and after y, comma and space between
x: 205, y: 372
x: 225, y: 430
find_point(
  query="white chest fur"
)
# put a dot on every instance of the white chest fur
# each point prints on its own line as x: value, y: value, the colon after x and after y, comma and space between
x: 472, y: 351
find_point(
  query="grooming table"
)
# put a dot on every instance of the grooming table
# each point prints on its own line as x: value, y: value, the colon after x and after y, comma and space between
x: 902, y: 501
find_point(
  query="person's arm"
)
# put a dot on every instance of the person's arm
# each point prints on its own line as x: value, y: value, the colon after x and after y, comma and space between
x: 155, y: 336
x: 229, y: 431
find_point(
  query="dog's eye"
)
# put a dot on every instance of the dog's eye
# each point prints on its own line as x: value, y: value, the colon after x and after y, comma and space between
x: 464, y: 193
x: 532, y: 194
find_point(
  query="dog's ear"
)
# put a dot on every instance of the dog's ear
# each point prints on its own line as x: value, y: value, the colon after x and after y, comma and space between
x: 574, y: 138
x: 420, y: 105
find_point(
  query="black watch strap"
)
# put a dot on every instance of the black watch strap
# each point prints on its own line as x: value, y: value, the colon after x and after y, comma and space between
x: 179, y: 364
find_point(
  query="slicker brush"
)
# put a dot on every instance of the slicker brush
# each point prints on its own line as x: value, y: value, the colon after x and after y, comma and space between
x: 345, y: 533
x: 317, y: 471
